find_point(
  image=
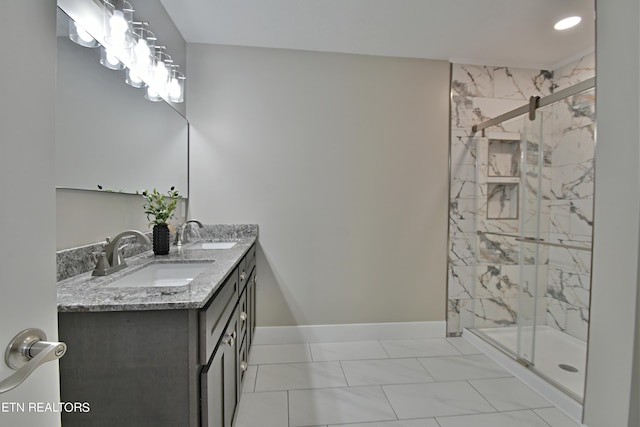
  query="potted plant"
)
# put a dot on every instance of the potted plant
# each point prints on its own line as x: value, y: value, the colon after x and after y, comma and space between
x: 160, y: 209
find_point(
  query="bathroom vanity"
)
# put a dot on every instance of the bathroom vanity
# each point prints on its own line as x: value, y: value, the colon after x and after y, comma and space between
x: 160, y: 355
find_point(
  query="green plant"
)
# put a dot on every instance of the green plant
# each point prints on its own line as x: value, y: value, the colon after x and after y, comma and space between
x: 160, y: 206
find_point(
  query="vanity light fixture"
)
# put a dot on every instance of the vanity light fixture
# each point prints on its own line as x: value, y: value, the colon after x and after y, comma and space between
x: 125, y: 44
x: 117, y: 22
x: 566, y: 23
x: 80, y: 36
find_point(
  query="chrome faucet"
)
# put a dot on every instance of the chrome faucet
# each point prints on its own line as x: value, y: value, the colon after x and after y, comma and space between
x: 112, y: 259
x: 180, y: 237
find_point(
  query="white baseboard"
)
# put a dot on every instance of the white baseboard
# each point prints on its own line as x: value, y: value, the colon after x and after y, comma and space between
x: 349, y: 332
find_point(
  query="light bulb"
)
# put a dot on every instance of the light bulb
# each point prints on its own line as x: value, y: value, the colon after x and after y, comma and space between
x: 142, y: 52
x: 112, y: 59
x: 118, y: 26
x: 135, y: 78
x: 161, y: 73
x: 84, y: 36
x: 175, y: 91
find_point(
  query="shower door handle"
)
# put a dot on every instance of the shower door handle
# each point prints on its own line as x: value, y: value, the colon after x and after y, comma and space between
x: 28, y: 350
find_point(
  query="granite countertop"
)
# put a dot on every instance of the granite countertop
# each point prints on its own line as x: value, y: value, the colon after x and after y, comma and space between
x: 87, y: 293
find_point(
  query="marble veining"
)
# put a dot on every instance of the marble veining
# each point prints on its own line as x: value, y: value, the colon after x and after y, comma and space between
x: 487, y: 273
x: 84, y: 292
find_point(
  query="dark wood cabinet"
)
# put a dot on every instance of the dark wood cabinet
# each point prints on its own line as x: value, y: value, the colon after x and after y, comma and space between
x: 173, y: 367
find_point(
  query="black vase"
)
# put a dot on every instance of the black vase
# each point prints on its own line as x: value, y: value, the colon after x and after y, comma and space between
x: 161, y: 239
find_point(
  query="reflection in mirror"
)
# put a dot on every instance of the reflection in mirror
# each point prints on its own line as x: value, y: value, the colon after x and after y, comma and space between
x: 108, y: 137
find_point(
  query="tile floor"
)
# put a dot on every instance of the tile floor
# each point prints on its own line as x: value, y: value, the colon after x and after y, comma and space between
x: 440, y: 382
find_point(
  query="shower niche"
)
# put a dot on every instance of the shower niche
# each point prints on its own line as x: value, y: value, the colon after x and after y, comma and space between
x: 503, y: 176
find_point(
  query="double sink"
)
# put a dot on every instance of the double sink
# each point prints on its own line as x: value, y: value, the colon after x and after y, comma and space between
x: 169, y: 274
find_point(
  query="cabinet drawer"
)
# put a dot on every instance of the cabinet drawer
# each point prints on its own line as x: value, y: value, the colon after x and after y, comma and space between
x: 213, y: 319
x: 249, y: 259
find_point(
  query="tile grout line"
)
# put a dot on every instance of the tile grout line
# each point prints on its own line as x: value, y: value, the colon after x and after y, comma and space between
x: 310, y: 351
x: 384, y: 349
x: 539, y: 416
x: 346, y: 380
x: 389, y: 402
x: 482, y: 395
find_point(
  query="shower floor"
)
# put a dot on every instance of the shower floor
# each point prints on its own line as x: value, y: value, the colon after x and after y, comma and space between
x: 552, y: 348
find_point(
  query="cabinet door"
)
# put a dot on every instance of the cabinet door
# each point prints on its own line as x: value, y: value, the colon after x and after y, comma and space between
x: 219, y: 381
x: 231, y: 371
x: 212, y: 391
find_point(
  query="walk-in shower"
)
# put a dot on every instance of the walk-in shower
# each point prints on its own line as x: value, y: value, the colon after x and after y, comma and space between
x: 521, y: 228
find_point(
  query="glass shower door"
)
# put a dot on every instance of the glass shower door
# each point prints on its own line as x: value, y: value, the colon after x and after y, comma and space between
x: 529, y: 254
x: 532, y: 265
x: 555, y: 240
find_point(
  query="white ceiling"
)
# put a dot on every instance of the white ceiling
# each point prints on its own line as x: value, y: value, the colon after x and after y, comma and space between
x: 492, y: 32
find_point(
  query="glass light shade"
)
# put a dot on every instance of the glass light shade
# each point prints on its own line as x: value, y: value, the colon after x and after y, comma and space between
x: 176, y: 86
x: 110, y: 59
x: 78, y: 35
x: 133, y: 79
x: 143, y: 51
x: 160, y: 72
x: 152, y: 95
x: 117, y: 23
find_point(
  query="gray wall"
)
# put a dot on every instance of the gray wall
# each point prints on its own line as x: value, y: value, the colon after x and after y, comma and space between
x: 342, y: 160
x: 609, y: 400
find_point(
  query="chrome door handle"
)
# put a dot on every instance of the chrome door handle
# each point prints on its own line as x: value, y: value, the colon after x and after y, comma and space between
x: 28, y: 350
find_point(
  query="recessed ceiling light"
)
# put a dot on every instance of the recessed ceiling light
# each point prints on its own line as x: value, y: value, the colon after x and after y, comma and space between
x: 566, y: 23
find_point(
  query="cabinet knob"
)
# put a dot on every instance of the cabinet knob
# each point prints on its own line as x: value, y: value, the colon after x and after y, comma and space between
x: 254, y: 279
x: 243, y: 276
x: 243, y: 316
x: 229, y: 339
x: 244, y: 366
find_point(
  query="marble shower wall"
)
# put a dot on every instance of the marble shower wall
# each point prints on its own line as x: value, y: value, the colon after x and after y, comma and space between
x: 485, y: 270
x: 569, y: 132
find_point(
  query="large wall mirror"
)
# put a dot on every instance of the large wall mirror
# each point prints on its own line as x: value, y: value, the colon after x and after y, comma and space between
x: 108, y: 136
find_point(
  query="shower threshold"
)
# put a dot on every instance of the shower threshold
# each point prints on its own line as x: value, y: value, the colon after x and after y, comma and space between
x: 560, y: 386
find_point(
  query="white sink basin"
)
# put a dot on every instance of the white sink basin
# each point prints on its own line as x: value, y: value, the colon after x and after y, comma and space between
x: 160, y: 275
x: 213, y: 245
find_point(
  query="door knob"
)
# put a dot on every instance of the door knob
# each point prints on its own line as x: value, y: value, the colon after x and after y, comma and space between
x: 28, y: 350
